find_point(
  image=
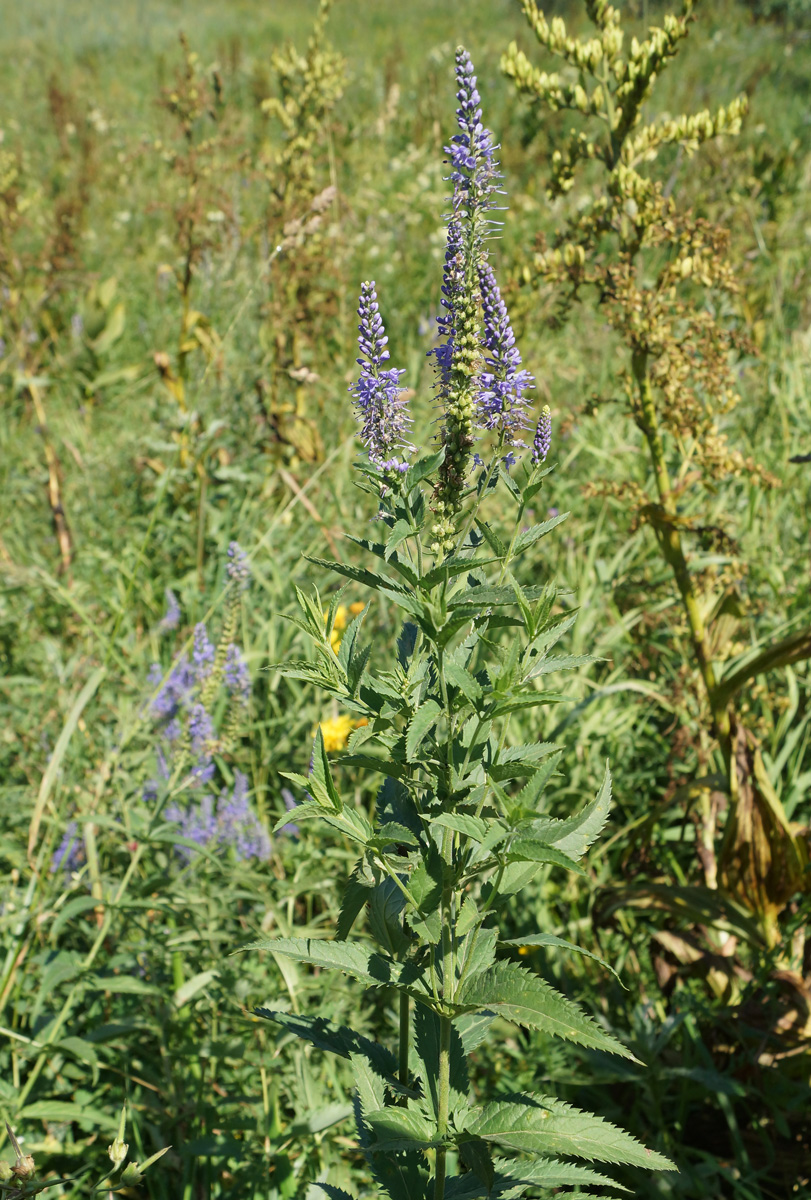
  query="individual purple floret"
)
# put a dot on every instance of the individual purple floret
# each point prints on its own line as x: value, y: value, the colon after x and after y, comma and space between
x: 70, y: 853
x: 501, y: 403
x: 383, y: 415
x: 236, y: 674
x: 171, y: 618
x: 543, y: 436
x: 238, y: 567
x: 203, y: 652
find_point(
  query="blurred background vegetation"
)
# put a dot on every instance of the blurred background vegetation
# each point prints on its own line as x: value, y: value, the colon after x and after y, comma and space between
x: 184, y: 225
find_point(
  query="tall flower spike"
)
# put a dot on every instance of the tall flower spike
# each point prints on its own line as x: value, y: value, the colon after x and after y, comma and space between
x: 501, y: 404
x: 475, y: 176
x: 382, y: 412
x: 543, y: 436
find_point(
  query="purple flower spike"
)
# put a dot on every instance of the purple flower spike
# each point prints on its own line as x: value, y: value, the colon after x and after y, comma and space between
x: 382, y: 413
x: 543, y: 437
x: 238, y: 567
x: 474, y: 167
x: 237, y: 675
x: 203, y: 653
x: 501, y: 402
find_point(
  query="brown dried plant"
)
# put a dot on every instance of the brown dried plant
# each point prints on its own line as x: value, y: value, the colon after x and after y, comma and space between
x: 41, y: 266
x: 664, y: 282
x: 299, y: 200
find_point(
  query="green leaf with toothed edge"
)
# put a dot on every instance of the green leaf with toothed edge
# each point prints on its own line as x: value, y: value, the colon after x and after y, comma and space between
x: 549, y: 939
x: 530, y: 536
x: 420, y: 725
x: 545, y: 1125
x: 399, y: 1129
x: 574, y: 835
x: 519, y: 996
x: 512, y: 1178
x: 367, y: 965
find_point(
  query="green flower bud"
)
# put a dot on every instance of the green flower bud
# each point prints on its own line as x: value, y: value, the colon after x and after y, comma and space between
x: 118, y: 1151
x: 5, y: 1171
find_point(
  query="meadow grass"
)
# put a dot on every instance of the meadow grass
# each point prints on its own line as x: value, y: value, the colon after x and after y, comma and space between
x: 117, y: 985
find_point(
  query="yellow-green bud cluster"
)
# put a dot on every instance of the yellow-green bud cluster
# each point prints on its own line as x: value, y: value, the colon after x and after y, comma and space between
x: 457, y: 434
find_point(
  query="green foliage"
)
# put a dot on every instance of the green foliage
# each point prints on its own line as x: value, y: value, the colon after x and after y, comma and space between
x: 718, y: 1017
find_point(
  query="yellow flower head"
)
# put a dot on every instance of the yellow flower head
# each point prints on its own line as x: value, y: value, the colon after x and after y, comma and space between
x: 336, y: 731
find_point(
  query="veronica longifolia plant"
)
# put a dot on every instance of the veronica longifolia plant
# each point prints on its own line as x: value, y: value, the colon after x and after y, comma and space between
x: 461, y: 821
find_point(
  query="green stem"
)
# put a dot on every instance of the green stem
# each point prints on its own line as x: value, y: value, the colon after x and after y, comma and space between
x: 404, y: 1029
x: 445, y: 1021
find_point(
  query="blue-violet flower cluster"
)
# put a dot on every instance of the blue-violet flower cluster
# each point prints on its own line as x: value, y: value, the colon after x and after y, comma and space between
x: 383, y: 413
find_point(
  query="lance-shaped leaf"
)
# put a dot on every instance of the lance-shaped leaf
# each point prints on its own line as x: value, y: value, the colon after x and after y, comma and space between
x: 529, y: 849
x: 532, y: 535
x: 560, y: 662
x: 544, y: 1125
x: 513, y: 1177
x: 544, y: 1173
x: 355, y: 896
x: 350, y: 957
x: 381, y: 583
x: 421, y: 723
x: 334, y: 1193
x: 520, y: 996
x: 321, y: 781
x: 400, y: 1175
x: 574, y: 835
x: 549, y: 939
x: 396, y: 1129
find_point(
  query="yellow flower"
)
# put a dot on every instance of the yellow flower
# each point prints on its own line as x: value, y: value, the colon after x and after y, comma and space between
x: 343, y: 615
x: 336, y: 731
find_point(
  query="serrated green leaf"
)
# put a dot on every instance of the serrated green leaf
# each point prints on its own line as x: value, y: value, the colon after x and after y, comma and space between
x: 459, y: 677
x: 474, y: 828
x: 530, y: 536
x: 321, y: 781
x: 544, y: 1173
x: 426, y: 1054
x: 520, y: 996
x: 528, y: 849
x: 353, y: 959
x: 544, y: 1125
x: 354, y: 897
x: 400, y: 532
x: 550, y: 940
x: 423, y: 468
x: 397, y: 1129
x: 575, y: 834
x: 423, y: 720
x: 491, y: 537
x: 561, y: 662
x: 371, y: 763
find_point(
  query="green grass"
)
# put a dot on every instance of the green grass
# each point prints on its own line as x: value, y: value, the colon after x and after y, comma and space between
x: 721, y: 1090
